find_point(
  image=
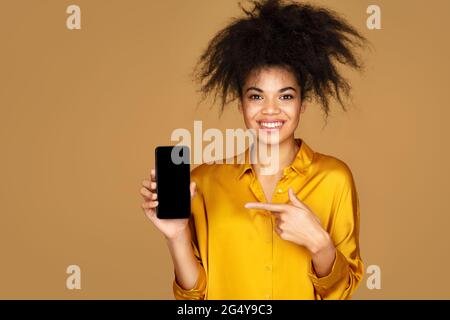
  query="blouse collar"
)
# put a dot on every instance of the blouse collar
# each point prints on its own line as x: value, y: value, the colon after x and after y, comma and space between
x: 301, y: 162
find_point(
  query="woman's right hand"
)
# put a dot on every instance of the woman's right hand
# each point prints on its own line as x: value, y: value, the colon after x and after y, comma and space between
x: 170, y: 228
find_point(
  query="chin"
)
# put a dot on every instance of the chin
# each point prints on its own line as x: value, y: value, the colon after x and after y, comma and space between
x: 270, y: 137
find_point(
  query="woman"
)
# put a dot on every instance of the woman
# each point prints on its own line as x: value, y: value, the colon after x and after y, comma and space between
x: 292, y: 234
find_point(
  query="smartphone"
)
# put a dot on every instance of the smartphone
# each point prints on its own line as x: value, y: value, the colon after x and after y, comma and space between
x: 172, y: 182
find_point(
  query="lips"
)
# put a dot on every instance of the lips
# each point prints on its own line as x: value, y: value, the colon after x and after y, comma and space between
x: 275, y: 124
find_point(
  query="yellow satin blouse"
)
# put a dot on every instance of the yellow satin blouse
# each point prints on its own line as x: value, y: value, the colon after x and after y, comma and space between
x: 241, y: 254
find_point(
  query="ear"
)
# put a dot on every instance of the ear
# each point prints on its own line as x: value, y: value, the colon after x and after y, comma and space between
x: 303, y: 106
x: 240, y: 105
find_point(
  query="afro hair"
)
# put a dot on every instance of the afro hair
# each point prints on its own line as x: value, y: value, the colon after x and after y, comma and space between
x: 306, y: 39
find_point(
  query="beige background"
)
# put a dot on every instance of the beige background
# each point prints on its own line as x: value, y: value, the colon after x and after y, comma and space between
x: 82, y: 111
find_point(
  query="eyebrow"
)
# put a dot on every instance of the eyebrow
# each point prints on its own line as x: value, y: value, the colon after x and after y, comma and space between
x: 281, y: 90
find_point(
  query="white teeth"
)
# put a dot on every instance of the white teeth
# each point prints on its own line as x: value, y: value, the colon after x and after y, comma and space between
x: 271, y: 125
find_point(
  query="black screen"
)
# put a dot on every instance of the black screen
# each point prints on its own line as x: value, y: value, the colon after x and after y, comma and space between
x: 172, y: 182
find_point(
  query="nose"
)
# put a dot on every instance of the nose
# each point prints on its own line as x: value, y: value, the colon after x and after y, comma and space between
x: 270, y: 107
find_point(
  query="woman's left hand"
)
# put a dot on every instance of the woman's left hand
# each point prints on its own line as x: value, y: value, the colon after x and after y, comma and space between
x: 297, y: 223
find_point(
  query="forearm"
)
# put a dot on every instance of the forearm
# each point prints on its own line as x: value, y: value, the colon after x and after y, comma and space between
x: 184, y: 261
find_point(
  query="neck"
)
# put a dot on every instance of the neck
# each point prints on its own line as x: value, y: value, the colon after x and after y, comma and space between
x: 287, y: 151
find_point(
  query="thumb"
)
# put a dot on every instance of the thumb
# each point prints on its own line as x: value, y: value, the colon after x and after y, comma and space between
x: 193, y: 188
x: 294, y: 199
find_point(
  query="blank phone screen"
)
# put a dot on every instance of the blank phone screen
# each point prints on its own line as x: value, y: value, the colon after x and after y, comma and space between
x: 172, y: 182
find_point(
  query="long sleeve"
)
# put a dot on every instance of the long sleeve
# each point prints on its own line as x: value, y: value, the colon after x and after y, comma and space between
x: 348, y: 268
x: 198, y: 227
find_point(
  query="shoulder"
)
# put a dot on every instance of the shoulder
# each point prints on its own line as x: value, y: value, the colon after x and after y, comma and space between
x: 199, y: 172
x: 208, y: 172
x: 334, y: 169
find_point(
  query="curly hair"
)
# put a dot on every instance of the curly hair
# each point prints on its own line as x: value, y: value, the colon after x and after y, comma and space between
x: 306, y: 39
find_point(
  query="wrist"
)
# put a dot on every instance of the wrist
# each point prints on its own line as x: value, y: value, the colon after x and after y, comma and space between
x: 323, y: 244
x: 182, y: 235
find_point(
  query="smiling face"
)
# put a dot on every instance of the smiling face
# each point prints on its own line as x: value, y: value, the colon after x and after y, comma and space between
x: 271, y: 104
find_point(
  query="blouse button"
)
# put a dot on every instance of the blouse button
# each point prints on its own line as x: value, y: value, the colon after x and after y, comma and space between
x: 280, y: 190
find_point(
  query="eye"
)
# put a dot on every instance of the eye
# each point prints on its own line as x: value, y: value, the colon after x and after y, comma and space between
x: 287, y: 97
x: 255, y: 97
